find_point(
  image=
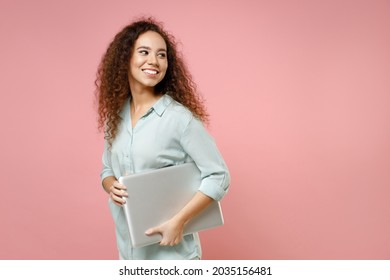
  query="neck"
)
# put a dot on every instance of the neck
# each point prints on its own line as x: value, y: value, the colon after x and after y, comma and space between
x: 141, y: 94
x: 144, y: 99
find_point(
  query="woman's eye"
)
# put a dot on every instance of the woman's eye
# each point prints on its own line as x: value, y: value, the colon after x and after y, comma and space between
x: 162, y: 55
x: 143, y: 52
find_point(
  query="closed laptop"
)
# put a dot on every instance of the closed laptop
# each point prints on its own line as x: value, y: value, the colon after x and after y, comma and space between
x: 156, y: 196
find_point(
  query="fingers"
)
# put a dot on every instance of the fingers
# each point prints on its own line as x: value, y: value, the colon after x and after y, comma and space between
x: 171, y: 232
x: 167, y: 242
x: 117, y: 199
x: 119, y: 186
x: 117, y: 192
x: 151, y: 231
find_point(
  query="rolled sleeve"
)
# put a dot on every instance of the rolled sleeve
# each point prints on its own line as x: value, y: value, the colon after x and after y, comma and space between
x: 106, y: 163
x: 200, y: 146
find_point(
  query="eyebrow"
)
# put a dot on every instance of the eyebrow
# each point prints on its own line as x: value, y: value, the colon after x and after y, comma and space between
x: 148, y: 48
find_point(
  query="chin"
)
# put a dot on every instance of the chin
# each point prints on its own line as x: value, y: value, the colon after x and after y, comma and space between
x: 151, y: 83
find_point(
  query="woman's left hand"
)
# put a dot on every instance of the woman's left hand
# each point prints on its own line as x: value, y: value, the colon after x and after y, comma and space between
x: 171, y: 232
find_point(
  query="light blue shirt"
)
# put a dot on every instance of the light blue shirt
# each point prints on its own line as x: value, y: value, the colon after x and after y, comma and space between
x: 168, y: 134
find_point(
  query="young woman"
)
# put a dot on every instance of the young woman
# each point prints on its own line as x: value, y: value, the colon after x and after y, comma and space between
x: 152, y: 117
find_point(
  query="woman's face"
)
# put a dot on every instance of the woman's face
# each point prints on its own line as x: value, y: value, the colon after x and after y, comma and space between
x: 148, y: 62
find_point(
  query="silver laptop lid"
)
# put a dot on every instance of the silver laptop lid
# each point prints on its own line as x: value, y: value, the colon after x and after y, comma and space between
x: 156, y: 196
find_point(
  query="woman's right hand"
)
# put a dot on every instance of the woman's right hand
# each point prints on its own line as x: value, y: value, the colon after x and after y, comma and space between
x: 117, y: 192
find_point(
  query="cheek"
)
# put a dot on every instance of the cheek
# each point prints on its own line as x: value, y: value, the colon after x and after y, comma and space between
x: 136, y: 61
x: 165, y: 68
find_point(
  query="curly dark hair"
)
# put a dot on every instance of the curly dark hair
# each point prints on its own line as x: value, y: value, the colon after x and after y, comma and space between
x: 112, y: 85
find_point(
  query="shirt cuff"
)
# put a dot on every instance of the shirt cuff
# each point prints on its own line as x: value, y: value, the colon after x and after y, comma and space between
x: 215, y: 190
x: 105, y: 174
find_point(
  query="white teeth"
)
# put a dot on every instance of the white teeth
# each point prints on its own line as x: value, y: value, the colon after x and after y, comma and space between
x: 151, y: 72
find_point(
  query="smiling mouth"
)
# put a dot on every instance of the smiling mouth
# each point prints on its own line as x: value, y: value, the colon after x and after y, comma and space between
x: 150, y: 72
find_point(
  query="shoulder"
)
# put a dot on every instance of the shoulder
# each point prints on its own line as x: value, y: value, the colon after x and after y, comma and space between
x: 178, y: 112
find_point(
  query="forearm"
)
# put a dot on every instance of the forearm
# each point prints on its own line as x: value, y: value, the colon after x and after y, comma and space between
x: 198, y: 203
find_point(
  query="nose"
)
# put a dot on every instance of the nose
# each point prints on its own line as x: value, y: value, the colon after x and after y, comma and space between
x: 152, y: 59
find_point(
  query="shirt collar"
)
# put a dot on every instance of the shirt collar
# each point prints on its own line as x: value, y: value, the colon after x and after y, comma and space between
x: 160, y: 106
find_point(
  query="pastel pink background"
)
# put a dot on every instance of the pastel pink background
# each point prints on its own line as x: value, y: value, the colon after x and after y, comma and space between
x: 299, y: 97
